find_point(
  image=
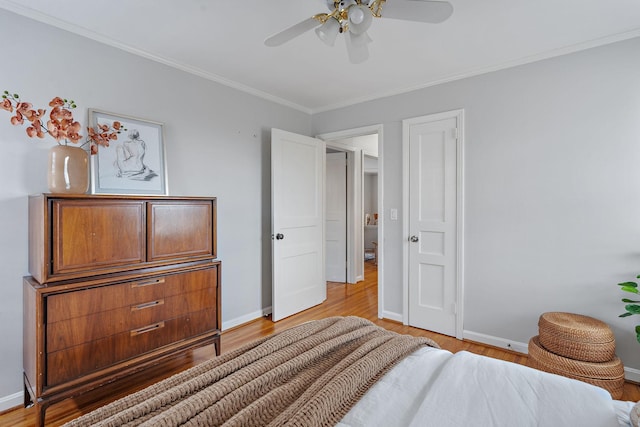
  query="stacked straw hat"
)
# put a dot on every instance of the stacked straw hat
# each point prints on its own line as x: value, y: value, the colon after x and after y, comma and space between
x: 578, y: 347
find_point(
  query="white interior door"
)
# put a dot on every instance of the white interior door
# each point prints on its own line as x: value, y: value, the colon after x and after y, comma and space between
x: 336, y: 217
x: 433, y: 223
x: 355, y: 218
x: 297, y: 212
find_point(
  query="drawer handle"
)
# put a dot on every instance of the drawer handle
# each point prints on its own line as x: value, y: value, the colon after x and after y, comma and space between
x: 147, y: 283
x: 147, y: 305
x: 146, y: 329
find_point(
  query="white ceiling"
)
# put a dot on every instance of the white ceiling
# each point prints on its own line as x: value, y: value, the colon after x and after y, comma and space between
x: 223, y: 41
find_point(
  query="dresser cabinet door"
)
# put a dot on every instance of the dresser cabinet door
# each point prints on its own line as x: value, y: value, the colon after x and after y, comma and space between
x: 180, y: 230
x: 88, y: 236
x: 95, y: 328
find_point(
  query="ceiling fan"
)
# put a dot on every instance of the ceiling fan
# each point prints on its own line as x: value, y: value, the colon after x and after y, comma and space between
x: 353, y: 18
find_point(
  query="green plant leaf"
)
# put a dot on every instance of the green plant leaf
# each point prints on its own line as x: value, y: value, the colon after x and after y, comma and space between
x: 628, y: 284
x: 629, y: 289
x: 626, y: 315
x: 628, y: 300
x: 638, y: 329
x: 632, y: 308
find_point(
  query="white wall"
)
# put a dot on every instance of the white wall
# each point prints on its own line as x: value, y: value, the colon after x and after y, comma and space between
x: 370, y: 201
x: 371, y: 163
x: 217, y: 142
x: 370, y: 194
x: 552, y: 189
x: 368, y: 143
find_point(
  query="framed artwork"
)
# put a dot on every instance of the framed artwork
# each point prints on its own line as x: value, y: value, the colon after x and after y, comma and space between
x: 134, y: 163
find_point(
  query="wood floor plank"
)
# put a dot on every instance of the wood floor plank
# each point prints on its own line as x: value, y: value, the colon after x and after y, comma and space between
x: 342, y: 300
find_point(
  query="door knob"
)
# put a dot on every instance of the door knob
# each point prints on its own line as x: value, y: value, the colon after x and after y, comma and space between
x: 413, y: 239
x: 279, y: 236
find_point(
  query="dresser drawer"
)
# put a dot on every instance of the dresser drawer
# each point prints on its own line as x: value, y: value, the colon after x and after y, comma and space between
x: 84, y: 302
x: 71, y: 363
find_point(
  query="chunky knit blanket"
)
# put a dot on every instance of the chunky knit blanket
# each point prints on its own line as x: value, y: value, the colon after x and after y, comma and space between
x: 308, y: 375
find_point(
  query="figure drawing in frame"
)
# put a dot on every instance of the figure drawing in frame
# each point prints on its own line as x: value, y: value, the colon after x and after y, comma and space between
x: 132, y: 164
x: 129, y: 163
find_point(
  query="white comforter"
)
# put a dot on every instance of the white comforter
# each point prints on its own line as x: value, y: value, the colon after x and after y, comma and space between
x: 437, y: 388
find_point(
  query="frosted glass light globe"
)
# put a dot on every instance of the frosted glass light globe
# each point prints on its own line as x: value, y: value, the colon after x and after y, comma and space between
x: 360, y: 18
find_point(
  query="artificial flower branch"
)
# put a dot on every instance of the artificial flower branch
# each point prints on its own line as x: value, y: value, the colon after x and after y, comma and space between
x: 61, y: 125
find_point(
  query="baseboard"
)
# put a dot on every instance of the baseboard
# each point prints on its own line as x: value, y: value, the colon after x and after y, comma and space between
x: 496, y: 341
x: 11, y: 401
x: 632, y: 374
x: 392, y: 316
x: 246, y: 318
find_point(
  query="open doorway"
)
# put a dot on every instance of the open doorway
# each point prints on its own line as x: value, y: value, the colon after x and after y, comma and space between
x: 364, y: 170
x: 371, y: 210
x: 336, y: 216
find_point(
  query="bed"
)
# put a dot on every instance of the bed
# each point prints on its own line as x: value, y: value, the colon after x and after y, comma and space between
x: 348, y: 372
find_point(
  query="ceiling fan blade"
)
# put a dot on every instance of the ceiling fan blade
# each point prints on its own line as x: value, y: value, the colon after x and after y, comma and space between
x: 292, y: 32
x: 431, y: 12
x: 357, y: 48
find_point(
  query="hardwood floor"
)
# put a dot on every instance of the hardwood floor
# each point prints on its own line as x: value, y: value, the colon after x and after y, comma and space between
x: 358, y: 300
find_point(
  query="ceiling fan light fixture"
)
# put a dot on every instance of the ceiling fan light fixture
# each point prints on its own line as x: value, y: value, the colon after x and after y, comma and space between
x: 357, y: 48
x: 361, y: 39
x: 360, y: 19
x: 356, y: 15
x: 353, y: 18
x: 328, y: 31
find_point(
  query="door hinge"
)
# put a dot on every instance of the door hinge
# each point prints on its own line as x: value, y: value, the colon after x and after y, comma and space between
x: 454, y: 133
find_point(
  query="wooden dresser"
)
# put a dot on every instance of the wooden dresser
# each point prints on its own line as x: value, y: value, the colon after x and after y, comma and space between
x: 117, y: 283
